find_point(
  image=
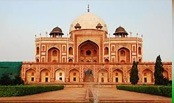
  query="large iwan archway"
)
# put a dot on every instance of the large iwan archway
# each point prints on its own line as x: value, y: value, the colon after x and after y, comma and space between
x: 123, y: 55
x: 88, y: 51
x: 53, y: 55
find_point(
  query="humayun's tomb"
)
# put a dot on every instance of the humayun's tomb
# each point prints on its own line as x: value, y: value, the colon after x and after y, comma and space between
x: 89, y: 54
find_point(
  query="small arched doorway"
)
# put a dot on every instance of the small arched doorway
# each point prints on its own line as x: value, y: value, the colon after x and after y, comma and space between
x: 117, y: 76
x: 30, y: 76
x: 147, y: 76
x: 88, y: 76
x: 45, y: 75
x: 103, y: 76
x: 74, y: 75
x: 60, y: 75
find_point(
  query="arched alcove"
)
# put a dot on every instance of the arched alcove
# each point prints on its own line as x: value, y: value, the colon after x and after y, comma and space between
x: 123, y: 55
x: 53, y: 55
x: 88, y: 51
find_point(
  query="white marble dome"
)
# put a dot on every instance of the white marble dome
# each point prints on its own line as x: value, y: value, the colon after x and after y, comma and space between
x: 88, y: 20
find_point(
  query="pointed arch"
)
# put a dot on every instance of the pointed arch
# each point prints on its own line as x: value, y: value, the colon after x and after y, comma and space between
x: 103, y: 76
x: 37, y: 50
x: 70, y: 51
x: 53, y: 55
x: 45, y: 75
x: 106, y: 51
x: 147, y: 76
x: 123, y: 55
x: 74, y: 75
x: 139, y: 50
x: 30, y: 76
x: 106, y: 60
x: 117, y: 76
x: 88, y: 51
x: 60, y: 75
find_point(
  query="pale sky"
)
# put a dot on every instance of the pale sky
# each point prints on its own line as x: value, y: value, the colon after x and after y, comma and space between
x: 21, y: 20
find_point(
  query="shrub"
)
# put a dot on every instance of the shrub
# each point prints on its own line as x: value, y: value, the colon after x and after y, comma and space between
x: 149, y: 89
x: 7, y: 80
x: 166, y: 90
x: 8, y: 91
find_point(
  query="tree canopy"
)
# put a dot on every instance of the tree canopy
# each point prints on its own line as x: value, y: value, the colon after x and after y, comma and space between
x: 134, y: 73
x: 158, y: 74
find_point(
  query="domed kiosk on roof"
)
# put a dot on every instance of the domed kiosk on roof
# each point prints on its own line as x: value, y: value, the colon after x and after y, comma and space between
x: 88, y: 20
x: 56, y: 32
x: 120, y: 31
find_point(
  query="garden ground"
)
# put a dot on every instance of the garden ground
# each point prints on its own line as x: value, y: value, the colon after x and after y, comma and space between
x: 89, y: 94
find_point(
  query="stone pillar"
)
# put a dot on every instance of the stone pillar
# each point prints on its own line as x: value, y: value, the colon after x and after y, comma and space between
x: 81, y: 74
x: 81, y: 79
x: 51, y: 79
x: 110, y: 80
x: 66, y: 79
x: 37, y: 79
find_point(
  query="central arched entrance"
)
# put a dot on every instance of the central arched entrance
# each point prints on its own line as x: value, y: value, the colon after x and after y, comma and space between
x: 88, y: 76
x: 88, y: 51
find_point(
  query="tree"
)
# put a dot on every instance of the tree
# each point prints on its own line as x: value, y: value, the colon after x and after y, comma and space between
x: 17, y: 80
x: 158, y: 74
x: 5, y: 79
x: 134, y: 73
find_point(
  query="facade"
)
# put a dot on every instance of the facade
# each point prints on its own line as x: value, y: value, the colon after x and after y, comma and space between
x: 89, y: 54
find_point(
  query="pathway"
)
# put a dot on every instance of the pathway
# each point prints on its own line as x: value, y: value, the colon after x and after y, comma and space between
x: 88, y: 94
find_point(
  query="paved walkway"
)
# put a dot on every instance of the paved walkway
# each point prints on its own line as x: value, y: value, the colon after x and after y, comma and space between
x: 88, y: 94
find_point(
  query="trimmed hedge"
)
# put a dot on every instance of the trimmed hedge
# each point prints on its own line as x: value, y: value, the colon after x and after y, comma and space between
x: 149, y: 89
x: 8, y: 91
x: 166, y: 90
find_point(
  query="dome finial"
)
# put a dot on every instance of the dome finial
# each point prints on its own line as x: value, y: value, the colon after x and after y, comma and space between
x: 88, y: 8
